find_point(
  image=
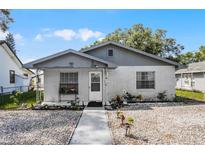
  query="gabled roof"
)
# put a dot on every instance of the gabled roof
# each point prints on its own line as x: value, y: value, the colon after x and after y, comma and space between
x: 193, y: 68
x: 31, y: 64
x: 3, y: 42
x: 131, y: 49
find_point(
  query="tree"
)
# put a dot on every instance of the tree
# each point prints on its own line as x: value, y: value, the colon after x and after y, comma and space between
x: 191, y: 57
x: 11, y: 42
x: 143, y: 38
x: 5, y: 19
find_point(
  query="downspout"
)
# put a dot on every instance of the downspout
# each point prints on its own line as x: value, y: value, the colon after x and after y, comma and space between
x: 181, y: 80
x: 204, y: 89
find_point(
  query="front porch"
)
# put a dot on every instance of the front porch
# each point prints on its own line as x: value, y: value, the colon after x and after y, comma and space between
x: 73, y: 76
x: 87, y: 85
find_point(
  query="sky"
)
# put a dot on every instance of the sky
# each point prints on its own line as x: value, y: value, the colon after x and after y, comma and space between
x: 39, y: 33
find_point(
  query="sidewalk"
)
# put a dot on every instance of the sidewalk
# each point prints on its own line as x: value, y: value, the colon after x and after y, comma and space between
x: 92, y: 128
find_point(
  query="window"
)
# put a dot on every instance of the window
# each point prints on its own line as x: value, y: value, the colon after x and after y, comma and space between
x: 12, y: 76
x: 110, y: 52
x: 95, y: 82
x: 25, y: 74
x: 69, y: 83
x: 145, y: 80
x: 187, y: 79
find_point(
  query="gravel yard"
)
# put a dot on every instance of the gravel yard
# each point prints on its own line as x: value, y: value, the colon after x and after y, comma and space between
x: 183, y: 124
x: 37, y: 127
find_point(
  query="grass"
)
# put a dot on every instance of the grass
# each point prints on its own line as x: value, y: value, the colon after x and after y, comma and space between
x: 195, y: 95
x: 28, y: 98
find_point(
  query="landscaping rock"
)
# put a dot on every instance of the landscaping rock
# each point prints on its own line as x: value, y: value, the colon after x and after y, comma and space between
x: 162, y: 124
x: 37, y: 127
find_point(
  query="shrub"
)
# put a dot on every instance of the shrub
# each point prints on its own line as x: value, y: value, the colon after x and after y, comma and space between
x: 178, y: 99
x: 116, y: 102
x: 17, y: 97
x: 139, y: 97
x: 162, y: 96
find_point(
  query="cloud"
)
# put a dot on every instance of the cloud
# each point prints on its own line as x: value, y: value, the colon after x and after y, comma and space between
x: 86, y: 34
x: 19, y: 39
x: 69, y: 34
x: 66, y: 34
x: 39, y: 37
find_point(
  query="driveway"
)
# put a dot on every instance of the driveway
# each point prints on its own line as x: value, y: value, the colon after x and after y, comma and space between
x: 92, y: 128
x: 37, y: 127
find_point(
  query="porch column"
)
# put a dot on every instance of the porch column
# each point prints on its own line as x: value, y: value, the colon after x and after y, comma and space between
x: 105, y: 74
x: 38, y: 94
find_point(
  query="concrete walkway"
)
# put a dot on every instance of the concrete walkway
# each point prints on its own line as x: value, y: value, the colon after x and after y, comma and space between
x: 92, y: 128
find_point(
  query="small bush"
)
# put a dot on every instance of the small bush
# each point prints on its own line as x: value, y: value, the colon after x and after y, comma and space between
x: 162, y: 96
x: 14, y: 101
x: 178, y: 99
x: 139, y: 97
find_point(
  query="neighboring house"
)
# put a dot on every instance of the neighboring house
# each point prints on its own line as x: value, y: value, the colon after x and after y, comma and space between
x: 192, y: 77
x: 13, y: 75
x: 101, y: 72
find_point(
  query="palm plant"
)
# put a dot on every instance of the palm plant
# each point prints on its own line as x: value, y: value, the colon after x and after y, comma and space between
x: 128, y: 125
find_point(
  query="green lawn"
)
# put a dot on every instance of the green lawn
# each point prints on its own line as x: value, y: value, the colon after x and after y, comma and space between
x: 191, y: 95
x: 8, y: 105
x: 28, y: 98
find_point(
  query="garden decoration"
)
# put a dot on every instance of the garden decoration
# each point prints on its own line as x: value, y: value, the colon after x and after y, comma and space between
x: 119, y: 113
x: 122, y: 117
x: 128, y: 125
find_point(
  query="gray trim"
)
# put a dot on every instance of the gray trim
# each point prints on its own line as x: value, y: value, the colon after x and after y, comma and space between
x: 186, y: 71
x: 131, y: 49
x: 31, y: 64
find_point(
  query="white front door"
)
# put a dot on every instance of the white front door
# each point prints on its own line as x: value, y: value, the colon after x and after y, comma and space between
x: 95, y: 86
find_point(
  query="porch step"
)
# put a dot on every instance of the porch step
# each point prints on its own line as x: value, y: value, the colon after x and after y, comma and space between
x: 94, y: 104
